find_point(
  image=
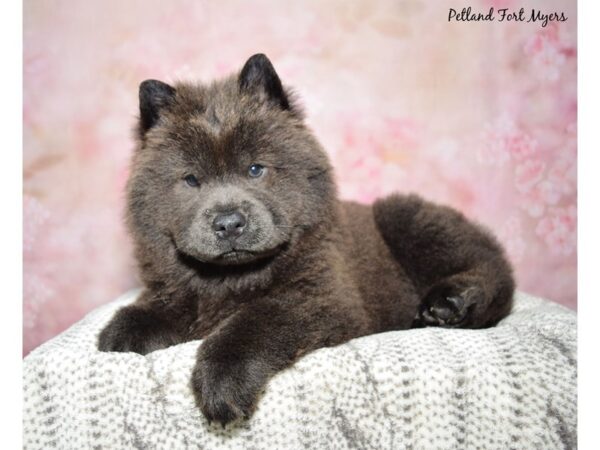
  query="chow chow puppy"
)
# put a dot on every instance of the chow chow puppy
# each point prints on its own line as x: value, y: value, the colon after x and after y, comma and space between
x: 242, y: 241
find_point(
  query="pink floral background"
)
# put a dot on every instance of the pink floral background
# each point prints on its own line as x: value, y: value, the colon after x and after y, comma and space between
x: 478, y: 115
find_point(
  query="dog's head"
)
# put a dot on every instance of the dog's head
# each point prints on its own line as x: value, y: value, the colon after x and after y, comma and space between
x: 227, y: 171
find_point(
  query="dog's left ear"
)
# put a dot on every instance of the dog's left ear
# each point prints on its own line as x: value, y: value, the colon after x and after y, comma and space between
x: 258, y: 75
x: 154, y: 97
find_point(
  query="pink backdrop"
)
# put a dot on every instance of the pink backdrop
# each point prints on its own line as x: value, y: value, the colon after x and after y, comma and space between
x: 481, y: 116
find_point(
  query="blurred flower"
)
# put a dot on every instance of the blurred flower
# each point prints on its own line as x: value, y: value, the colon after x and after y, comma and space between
x: 549, y: 192
x: 547, y: 52
x: 563, y: 175
x: 559, y: 229
x: 533, y: 202
x: 503, y: 140
x: 35, y: 215
x: 521, y: 146
x: 528, y: 173
x: 35, y: 288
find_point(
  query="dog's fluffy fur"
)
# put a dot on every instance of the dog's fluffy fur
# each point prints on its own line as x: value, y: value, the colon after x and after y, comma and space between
x: 305, y: 270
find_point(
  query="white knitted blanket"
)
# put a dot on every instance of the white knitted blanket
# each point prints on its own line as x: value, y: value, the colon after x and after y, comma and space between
x: 511, y: 386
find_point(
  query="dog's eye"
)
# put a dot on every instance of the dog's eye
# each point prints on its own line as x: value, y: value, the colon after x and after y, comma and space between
x: 191, y: 180
x: 256, y: 170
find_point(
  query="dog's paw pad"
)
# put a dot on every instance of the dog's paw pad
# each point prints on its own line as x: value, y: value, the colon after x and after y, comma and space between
x: 447, y: 310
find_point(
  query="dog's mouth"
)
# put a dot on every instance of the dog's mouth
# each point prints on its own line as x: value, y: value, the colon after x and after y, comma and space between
x: 238, y: 257
x: 243, y: 256
x: 233, y: 254
x: 233, y: 263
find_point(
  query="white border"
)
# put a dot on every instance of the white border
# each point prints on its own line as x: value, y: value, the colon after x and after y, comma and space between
x: 11, y: 240
x: 588, y: 222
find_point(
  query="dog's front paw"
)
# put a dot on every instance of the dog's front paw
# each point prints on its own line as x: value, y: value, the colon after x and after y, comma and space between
x: 448, y: 306
x: 137, y: 330
x: 226, y: 389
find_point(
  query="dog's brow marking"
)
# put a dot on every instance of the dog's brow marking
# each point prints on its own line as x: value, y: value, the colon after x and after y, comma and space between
x: 212, y: 118
x: 209, y: 121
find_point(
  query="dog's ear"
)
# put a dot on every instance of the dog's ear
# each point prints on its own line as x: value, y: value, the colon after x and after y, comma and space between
x: 154, y: 96
x: 258, y: 76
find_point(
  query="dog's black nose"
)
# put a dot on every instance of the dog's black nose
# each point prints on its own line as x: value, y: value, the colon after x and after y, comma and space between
x: 229, y: 225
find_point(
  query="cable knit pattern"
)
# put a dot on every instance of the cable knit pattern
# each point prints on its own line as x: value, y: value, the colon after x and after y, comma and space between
x: 511, y: 386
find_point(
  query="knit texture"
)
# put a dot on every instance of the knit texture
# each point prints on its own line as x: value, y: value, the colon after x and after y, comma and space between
x: 510, y: 386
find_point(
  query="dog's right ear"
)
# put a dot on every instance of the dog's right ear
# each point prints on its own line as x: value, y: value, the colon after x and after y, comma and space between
x: 258, y: 75
x: 154, y: 95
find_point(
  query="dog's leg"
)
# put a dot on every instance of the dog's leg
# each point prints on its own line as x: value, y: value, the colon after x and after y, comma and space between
x: 236, y: 361
x: 459, y: 268
x: 151, y: 323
